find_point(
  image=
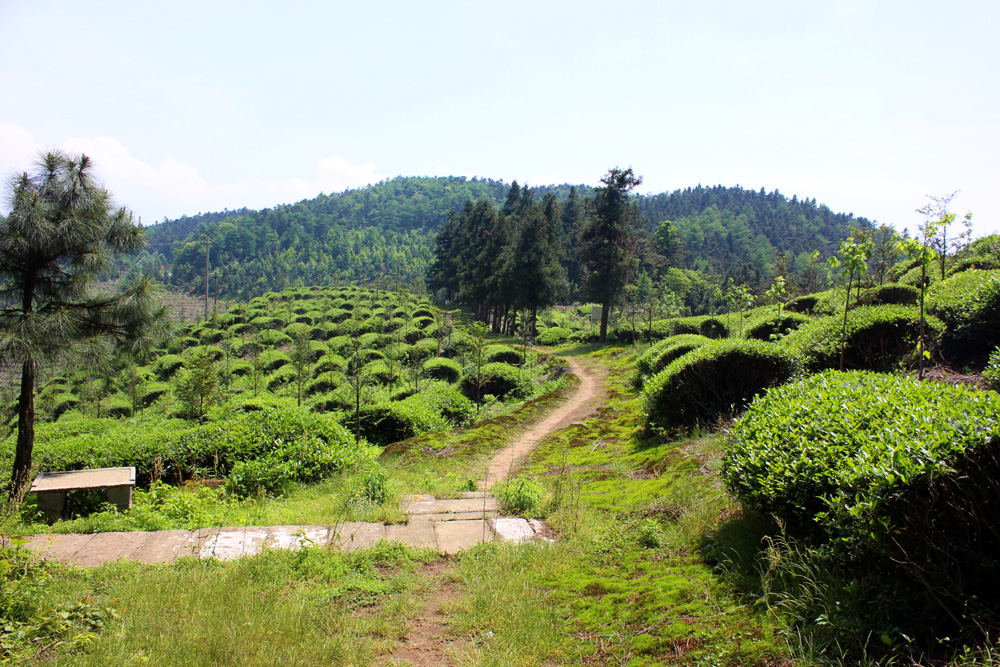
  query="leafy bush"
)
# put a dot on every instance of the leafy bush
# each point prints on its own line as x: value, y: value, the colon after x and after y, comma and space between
x: 659, y: 355
x: 821, y: 303
x: 716, y: 380
x: 272, y: 360
x: 502, y: 354
x: 982, y: 253
x: 499, y: 379
x: 326, y: 382
x: 521, y: 496
x: 440, y: 368
x: 553, y: 336
x: 892, y: 294
x: 991, y: 374
x: 591, y: 336
x: 118, y: 408
x: 385, y: 423
x: 62, y: 403
x: 281, y: 377
x: 445, y: 400
x: 887, y: 467
x: 180, y: 450
x: 209, y: 351
x: 969, y: 304
x: 775, y: 327
x: 712, y: 327
x: 878, y: 338
x: 168, y: 365
x: 274, y: 338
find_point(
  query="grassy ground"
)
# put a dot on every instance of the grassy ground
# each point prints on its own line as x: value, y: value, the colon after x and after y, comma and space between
x: 653, y: 564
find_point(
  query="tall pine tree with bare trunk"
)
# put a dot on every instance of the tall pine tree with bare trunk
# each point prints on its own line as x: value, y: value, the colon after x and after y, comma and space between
x: 609, y: 241
x: 63, y: 232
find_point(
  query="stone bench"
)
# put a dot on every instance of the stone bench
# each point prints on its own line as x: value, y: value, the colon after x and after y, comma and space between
x: 51, y: 488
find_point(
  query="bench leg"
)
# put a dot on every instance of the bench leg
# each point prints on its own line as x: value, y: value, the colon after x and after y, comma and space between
x: 52, y: 504
x: 120, y: 496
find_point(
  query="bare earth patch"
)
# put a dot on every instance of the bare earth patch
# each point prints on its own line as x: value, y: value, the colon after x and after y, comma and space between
x: 589, y: 395
x: 427, y: 643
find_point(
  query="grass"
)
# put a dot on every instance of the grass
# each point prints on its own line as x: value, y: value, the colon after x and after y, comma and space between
x: 308, y: 607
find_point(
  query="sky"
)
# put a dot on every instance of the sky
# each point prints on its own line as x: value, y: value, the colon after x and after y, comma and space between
x: 186, y: 107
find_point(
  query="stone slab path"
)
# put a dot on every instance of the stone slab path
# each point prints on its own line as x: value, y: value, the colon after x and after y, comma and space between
x: 445, y: 525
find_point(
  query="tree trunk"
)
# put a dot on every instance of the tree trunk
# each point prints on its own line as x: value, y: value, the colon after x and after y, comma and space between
x: 605, y: 308
x: 20, y: 478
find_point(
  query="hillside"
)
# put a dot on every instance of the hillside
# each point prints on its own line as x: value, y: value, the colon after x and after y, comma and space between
x: 386, y: 232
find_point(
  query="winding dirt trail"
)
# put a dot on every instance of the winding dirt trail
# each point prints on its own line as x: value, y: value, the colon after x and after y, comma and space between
x: 589, y: 395
x: 427, y: 644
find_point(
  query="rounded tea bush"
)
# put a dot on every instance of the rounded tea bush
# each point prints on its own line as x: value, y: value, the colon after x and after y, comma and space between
x: 716, y: 380
x: 657, y: 357
x: 878, y: 338
x: 499, y: 379
x: 553, y: 336
x: 776, y: 327
x: 440, y: 368
x: 502, y: 354
x: 893, y: 294
x: 883, y: 467
x: 969, y: 304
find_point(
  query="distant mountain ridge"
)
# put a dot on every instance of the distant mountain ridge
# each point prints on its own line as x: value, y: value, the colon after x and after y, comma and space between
x: 386, y: 232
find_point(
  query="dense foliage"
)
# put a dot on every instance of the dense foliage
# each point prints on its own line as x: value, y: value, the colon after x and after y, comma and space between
x: 716, y: 380
x: 887, y: 467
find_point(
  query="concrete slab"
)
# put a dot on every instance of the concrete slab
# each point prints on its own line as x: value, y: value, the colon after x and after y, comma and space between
x: 293, y: 537
x: 445, y: 506
x: 356, y: 535
x: 166, y: 546
x: 60, y: 548
x: 454, y: 516
x: 233, y: 543
x: 512, y: 529
x: 416, y: 533
x: 455, y: 536
x: 107, y: 547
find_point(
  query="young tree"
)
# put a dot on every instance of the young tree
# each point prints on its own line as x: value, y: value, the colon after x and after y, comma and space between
x: 62, y: 232
x: 943, y: 244
x: 854, y: 259
x: 198, y: 385
x: 301, y: 356
x: 609, y: 241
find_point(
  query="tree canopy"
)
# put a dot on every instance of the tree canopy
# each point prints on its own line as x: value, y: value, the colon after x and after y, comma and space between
x: 62, y: 233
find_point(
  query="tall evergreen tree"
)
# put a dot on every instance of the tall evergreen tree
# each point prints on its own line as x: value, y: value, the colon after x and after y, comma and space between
x: 609, y: 241
x: 63, y: 232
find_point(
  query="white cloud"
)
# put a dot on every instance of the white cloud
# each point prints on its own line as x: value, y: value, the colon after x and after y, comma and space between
x: 174, y: 188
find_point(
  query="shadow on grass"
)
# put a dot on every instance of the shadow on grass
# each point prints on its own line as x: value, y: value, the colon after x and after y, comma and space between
x: 578, y: 351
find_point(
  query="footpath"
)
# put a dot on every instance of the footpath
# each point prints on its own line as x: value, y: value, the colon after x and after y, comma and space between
x: 445, y: 525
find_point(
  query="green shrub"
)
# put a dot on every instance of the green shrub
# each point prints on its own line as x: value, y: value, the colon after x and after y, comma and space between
x: 250, y: 478
x: 520, y: 496
x: 553, y: 336
x: 892, y: 294
x: 659, y: 355
x: 445, y: 400
x: 329, y: 363
x: 887, y: 467
x: 168, y: 365
x: 502, y: 354
x: 982, y: 253
x: 440, y: 368
x: 272, y: 360
x: 879, y: 338
x: 591, y: 336
x: 119, y: 408
x: 63, y: 403
x: 718, y: 379
x: 776, y: 327
x: 209, y: 351
x: 712, y: 327
x: 991, y: 374
x: 828, y: 302
x: 499, y: 379
x: 378, y: 370
x: 324, y: 383
x: 969, y: 304
x: 274, y: 338
x: 341, y: 345
x: 240, y: 368
x: 283, y: 376
x: 386, y: 423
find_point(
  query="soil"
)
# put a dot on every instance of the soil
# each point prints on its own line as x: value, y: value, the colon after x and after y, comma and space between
x: 427, y: 642
x: 589, y: 395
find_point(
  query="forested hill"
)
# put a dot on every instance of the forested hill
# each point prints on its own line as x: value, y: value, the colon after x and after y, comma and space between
x: 386, y: 231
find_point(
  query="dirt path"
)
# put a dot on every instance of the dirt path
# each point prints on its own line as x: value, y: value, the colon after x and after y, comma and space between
x: 426, y: 643
x: 589, y: 395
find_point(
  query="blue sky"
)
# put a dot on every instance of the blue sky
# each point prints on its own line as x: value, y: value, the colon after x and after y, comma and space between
x: 195, y: 106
